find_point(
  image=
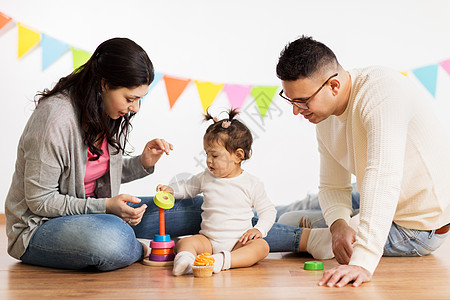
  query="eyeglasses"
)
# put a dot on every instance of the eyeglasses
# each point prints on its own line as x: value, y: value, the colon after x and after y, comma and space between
x: 303, y: 102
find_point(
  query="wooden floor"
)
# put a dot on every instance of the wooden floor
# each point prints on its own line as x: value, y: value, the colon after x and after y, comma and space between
x: 279, y: 276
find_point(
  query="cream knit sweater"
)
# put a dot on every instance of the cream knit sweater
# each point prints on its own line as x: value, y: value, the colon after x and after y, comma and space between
x: 389, y: 138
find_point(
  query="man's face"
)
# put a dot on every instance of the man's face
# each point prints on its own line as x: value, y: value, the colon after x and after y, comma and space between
x: 321, y: 101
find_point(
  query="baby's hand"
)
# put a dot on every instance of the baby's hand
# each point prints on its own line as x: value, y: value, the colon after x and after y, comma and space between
x: 164, y: 188
x: 251, y: 234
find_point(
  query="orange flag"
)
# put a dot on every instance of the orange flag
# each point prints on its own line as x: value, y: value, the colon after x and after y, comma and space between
x: 4, y: 19
x: 175, y: 87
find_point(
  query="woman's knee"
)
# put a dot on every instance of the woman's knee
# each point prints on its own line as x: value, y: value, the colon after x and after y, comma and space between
x: 112, y: 235
x: 108, y: 238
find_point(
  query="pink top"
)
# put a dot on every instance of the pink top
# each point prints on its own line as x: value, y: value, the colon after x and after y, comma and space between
x: 95, y: 169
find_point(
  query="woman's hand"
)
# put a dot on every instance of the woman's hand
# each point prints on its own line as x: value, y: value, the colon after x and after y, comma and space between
x: 153, y: 151
x: 164, y: 188
x: 251, y: 234
x: 118, y: 206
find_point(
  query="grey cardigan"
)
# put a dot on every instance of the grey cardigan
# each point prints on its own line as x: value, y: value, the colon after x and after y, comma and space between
x: 48, y: 181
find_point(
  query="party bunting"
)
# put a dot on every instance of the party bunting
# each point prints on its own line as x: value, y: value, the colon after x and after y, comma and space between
x: 28, y: 38
x: 175, y: 87
x: 4, y: 19
x: 52, y: 49
x: 428, y: 77
x: 80, y: 57
x: 237, y: 94
x: 263, y: 96
x: 208, y: 92
x: 446, y: 65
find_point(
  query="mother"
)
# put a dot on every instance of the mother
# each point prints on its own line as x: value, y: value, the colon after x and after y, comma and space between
x: 62, y: 208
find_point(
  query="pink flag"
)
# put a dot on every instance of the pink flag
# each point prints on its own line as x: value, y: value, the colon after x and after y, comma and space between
x: 237, y: 94
x: 446, y: 65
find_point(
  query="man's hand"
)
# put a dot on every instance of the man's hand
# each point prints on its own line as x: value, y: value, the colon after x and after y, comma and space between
x: 343, y: 237
x: 342, y: 275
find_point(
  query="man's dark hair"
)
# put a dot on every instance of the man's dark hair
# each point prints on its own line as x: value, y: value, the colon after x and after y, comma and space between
x: 303, y: 58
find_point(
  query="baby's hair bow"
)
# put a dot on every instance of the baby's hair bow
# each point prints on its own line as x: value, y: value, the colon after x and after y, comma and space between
x: 226, y: 124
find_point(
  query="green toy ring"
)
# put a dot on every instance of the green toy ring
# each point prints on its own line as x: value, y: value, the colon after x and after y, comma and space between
x: 313, y: 265
x: 164, y: 200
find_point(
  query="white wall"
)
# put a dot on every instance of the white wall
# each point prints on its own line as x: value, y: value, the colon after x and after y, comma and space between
x: 225, y: 42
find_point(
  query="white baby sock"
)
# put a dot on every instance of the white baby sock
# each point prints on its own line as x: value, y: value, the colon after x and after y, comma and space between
x: 319, y: 243
x: 182, y: 263
x: 222, y: 261
x: 145, y: 247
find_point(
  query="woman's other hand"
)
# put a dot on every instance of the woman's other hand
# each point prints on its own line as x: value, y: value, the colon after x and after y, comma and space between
x: 153, y: 151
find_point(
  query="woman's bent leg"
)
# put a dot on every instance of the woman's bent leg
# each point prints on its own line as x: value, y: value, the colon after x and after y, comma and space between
x: 184, y: 218
x: 103, y: 241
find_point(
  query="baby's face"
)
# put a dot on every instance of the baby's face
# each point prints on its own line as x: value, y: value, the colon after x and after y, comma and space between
x: 221, y: 162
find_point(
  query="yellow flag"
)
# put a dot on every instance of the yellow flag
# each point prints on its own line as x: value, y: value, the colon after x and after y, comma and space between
x: 28, y: 38
x: 208, y: 92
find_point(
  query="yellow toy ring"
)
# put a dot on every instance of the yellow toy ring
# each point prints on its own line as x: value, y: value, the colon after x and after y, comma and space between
x: 164, y: 200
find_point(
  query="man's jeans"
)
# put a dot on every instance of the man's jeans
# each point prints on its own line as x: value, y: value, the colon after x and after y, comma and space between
x: 401, y: 241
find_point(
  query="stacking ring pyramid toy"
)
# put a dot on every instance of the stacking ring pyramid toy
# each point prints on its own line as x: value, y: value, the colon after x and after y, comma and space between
x: 161, y: 254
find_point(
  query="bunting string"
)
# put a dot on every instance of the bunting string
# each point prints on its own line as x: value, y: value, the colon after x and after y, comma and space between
x: 52, y: 49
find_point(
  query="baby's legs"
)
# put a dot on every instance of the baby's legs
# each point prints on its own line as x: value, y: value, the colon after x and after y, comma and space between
x: 187, y: 250
x: 249, y: 254
x: 195, y: 244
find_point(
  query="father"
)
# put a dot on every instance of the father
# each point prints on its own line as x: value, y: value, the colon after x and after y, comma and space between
x: 374, y: 123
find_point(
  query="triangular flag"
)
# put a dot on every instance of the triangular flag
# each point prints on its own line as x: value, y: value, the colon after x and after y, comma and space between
x: 28, y: 38
x: 446, y: 65
x: 80, y: 57
x: 237, y: 94
x: 263, y: 96
x: 52, y: 49
x: 208, y: 92
x: 428, y: 77
x: 4, y: 19
x: 157, y: 78
x: 175, y: 87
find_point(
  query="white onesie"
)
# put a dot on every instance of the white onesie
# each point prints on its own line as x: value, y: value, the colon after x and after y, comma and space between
x: 228, y: 205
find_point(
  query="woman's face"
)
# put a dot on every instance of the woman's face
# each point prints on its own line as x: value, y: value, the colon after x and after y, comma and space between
x: 118, y: 102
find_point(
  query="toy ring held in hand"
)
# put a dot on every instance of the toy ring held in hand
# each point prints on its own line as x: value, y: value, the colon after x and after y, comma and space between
x: 164, y: 200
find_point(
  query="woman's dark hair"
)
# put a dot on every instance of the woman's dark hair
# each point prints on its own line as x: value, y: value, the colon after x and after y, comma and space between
x: 231, y: 133
x: 303, y: 58
x: 119, y: 62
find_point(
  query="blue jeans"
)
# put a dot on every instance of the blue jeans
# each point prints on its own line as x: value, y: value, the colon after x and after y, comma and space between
x: 105, y: 242
x: 401, y: 241
x: 185, y: 218
x: 102, y: 241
